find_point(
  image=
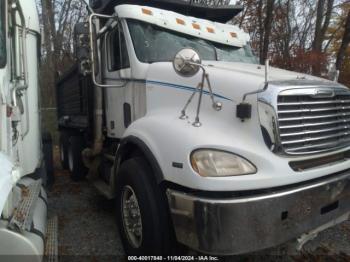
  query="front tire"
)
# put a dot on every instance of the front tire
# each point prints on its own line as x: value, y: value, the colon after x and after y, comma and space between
x: 75, y: 160
x: 141, y: 211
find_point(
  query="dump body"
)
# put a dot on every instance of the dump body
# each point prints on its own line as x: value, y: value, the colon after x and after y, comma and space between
x: 74, y: 100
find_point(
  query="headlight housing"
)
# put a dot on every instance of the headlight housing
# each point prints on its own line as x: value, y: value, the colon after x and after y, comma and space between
x: 215, y: 163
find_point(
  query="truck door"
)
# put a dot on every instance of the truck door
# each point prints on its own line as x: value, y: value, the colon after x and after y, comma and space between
x: 116, y: 69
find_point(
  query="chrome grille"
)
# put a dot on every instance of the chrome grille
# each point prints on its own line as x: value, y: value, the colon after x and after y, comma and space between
x: 312, y: 124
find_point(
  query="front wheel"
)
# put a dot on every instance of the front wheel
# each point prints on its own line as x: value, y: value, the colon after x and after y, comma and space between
x: 142, y: 212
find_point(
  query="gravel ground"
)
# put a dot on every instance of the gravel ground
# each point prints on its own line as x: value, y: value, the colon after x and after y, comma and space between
x: 88, y: 230
x: 86, y: 222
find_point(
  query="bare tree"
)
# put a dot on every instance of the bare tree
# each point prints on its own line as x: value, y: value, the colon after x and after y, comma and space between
x: 344, y: 44
x: 323, y: 17
x: 267, y: 31
x: 58, y: 18
x: 48, y: 23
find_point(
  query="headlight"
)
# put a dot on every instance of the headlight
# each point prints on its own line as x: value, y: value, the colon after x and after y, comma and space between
x: 214, y: 163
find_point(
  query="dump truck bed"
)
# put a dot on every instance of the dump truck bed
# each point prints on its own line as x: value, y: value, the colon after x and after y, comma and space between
x: 74, y: 100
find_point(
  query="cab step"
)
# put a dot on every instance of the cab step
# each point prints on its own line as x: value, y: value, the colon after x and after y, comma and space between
x: 51, y: 246
x: 23, y: 215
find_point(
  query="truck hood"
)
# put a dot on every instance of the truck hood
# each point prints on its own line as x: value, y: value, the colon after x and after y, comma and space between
x: 230, y: 80
x: 275, y: 74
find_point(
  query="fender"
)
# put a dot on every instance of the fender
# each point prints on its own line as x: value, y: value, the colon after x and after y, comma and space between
x: 127, y: 147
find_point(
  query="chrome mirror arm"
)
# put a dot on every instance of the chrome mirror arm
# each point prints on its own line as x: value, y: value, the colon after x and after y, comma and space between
x: 183, y: 111
x: 196, y: 122
x: 92, y: 51
x: 217, y: 106
x: 187, y: 63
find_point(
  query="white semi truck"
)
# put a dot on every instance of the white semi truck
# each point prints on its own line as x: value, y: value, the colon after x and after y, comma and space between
x: 23, y: 203
x: 169, y: 113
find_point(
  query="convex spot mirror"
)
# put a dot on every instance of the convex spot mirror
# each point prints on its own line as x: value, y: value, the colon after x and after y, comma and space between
x: 187, y: 62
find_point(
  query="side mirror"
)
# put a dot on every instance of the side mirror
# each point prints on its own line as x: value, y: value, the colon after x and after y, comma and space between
x: 82, y: 47
x: 96, y: 33
x: 187, y: 62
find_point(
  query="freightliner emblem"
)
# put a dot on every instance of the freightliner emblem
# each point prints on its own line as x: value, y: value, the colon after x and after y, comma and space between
x: 320, y: 93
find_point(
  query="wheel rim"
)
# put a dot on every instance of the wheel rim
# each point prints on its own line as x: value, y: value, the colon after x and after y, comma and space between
x: 70, y: 160
x: 131, y: 216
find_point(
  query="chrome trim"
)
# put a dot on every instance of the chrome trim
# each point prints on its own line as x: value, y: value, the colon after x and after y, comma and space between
x: 314, y: 117
x: 310, y: 116
x: 312, y: 110
x: 232, y: 226
x: 312, y: 90
x: 315, y: 138
x: 316, y: 102
x: 315, y: 132
x: 329, y: 144
x: 324, y: 93
x: 314, y: 124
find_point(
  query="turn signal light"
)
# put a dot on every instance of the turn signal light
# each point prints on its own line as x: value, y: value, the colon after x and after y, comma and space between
x: 180, y: 21
x: 210, y: 30
x: 147, y: 11
x: 196, y: 26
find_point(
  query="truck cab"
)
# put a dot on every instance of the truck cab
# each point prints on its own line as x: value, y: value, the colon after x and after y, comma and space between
x: 23, y: 201
x: 196, y: 141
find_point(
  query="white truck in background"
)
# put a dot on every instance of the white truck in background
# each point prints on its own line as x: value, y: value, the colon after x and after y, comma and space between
x: 23, y: 166
x: 172, y: 116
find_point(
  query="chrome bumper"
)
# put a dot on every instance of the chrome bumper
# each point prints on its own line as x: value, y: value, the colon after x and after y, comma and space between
x: 251, y: 223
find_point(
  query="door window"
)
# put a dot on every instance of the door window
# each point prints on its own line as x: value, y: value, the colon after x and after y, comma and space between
x: 117, y: 51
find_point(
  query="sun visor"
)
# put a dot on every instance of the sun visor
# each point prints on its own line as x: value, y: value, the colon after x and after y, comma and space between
x: 213, y: 31
x: 218, y: 11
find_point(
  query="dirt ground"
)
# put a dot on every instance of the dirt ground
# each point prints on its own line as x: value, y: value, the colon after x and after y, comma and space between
x: 88, y: 230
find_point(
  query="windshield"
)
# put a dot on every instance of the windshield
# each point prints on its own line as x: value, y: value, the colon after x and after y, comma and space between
x: 2, y: 34
x: 155, y: 44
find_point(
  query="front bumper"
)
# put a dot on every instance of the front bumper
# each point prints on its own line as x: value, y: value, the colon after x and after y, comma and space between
x: 250, y: 223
